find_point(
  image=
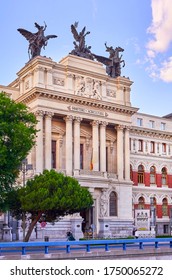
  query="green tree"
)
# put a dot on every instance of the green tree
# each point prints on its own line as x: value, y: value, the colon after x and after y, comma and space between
x: 50, y: 195
x: 17, y: 136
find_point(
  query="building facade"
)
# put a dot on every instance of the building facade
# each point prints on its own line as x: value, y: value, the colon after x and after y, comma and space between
x: 88, y: 129
x: 151, y: 166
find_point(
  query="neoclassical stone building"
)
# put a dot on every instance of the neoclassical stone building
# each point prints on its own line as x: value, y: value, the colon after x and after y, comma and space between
x: 88, y: 129
x: 151, y: 166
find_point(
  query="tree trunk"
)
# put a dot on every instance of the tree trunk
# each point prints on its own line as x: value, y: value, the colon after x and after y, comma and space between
x: 31, y: 227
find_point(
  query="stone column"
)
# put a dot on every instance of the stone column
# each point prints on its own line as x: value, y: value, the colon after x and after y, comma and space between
x: 120, y: 152
x: 95, y: 145
x: 127, y: 154
x: 77, y: 144
x: 48, y: 148
x: 103, y: 146
x: 39, y: 142
x: 69, y: 166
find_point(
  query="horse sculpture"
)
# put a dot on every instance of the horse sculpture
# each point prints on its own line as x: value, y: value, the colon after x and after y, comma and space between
x: 113, y: 63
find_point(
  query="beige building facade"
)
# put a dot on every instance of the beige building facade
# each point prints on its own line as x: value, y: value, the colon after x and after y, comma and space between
x: 88, y: 129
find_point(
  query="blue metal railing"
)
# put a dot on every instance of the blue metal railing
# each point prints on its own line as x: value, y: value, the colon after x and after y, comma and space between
x: 87, y: 245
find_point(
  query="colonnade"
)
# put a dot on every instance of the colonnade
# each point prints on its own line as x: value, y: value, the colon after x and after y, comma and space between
x: 72, y: 147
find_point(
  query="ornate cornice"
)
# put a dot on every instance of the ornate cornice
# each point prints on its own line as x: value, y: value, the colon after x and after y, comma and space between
x: 142, y: 131
x: 69, y: 98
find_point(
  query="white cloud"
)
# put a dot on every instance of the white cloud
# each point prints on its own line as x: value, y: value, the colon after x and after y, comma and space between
x: 166, y: 70
x: 161, y: 27
x: 160, y: 32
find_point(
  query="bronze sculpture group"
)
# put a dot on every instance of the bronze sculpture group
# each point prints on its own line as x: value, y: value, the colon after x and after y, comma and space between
x: 38, y: 40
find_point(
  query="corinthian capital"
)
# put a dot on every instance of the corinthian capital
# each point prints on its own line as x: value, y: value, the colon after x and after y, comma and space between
x: 95, y: 123
x: 49, y: 114
x: 120, y: 127
x: 68, y: 118
x: 39, y: 113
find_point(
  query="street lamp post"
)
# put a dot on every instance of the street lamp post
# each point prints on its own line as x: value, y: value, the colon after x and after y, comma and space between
x: 24, y: 168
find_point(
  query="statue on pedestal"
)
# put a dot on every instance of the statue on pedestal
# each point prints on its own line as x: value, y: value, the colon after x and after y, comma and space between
x: 36, y: 40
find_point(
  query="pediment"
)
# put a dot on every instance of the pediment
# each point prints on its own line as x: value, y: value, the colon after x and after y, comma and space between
x: 85, y: 134
x: 57, y: 129
x: 110, y: 138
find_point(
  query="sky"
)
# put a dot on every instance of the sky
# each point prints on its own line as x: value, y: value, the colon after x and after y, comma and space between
x: 143, y: 28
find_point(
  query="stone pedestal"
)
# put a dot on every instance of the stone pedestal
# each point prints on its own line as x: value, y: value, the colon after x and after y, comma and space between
x: 19, y: 235
x: 76, y: 222
x: 104, y: 228
x: 152, y: 231
x: 7, y: 235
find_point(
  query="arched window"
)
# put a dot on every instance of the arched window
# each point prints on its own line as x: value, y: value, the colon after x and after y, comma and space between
x: 113, y: 204
x: 164, y: 176
x: 141, y: 204
x: 153, y: 175
x: 141, y: 174
x: 165, y: 207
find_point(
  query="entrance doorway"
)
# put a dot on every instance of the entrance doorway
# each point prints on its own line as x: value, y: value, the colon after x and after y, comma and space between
x: 88, y: 219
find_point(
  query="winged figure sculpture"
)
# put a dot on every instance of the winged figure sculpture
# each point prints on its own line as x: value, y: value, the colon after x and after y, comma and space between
x: 81, y: 49
x: 36, y: 40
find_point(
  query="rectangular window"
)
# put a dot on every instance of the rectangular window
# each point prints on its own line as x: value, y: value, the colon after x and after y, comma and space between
x: 152, y: 150
x: 53, y: 154
x: 162, y: 126
x: 165, y: 229
x: 139, y: 121
x: 151, y: 124
x: 164, y: 148
x: 81, y: 156
x: 140, y: 148
x: 134, y: 145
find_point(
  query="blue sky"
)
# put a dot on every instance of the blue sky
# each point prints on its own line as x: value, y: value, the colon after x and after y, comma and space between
x: 142, y: 28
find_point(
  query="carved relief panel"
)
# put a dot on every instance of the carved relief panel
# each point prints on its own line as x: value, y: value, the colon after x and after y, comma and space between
x: 88, y: 87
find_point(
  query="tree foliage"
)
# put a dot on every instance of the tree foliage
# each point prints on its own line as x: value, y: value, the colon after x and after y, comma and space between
x: 50, y: 195
x: 17, y: 136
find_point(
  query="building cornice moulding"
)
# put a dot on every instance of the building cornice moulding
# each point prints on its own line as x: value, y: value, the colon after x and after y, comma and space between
x: 75, y: 99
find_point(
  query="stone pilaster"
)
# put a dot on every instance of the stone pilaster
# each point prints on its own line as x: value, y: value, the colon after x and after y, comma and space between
x: 48, y: 139
x: 49, y: 81
x: 39, y: 77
